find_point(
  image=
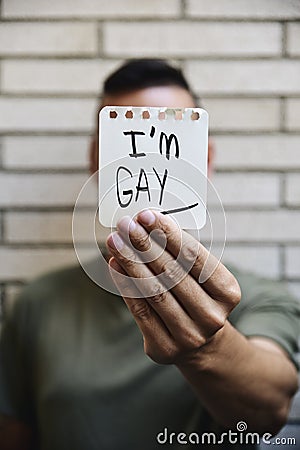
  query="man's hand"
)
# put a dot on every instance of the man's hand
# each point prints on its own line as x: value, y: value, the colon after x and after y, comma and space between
x: 175, y: 313
x: 180, y: 297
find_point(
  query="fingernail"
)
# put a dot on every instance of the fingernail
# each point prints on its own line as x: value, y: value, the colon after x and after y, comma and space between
x: 126, y: 224
x: 146, y: 217
x: 115, y: 241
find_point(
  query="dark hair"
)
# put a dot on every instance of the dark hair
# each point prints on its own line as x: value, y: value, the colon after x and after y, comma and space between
x: 142, y: 73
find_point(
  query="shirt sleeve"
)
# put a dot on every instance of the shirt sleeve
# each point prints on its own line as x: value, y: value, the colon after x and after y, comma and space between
x: 15, y: 386
x: 268, y: 309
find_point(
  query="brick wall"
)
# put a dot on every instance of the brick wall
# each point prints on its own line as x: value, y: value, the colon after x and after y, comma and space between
x: 243, y: 59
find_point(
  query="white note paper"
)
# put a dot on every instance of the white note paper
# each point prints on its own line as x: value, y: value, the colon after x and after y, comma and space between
x: 153, y: 158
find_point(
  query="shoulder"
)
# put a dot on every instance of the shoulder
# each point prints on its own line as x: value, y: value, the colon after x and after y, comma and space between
x: 46, y: 291
x: 46, y: 286
x: 61, y: 297
x: 265, y: 301
x: 57, y: 278
x: 261, y: 291
x: 267, y: 309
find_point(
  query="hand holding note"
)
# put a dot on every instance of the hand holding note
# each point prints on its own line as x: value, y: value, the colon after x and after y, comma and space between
x: 161, y: 162
x: 175, y: 313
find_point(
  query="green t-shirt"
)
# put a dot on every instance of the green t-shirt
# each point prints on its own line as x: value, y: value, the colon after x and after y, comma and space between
x: 73, y: 366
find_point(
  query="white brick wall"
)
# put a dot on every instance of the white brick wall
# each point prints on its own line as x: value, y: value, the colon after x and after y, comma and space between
x: 260, y: 259
x: 293, y: 189
x: 39, y: 189
x: 31, y: 262
x: 45, y: 152
x: 293, y: 114
x: 56, y: 39
x: 260, y: 152
x: 243, y: 114
x: 248, y: 189
x: 46, y: 114
x: 242, y: 58
x: 292, y: 255
x: 90, y: 8
x: 185, y: 39
x: 259, y: 77
x: 243, y: 9
x: 82, y: 76
x: 293, y: 37
x: 274, y: 226
x: 41, y: 227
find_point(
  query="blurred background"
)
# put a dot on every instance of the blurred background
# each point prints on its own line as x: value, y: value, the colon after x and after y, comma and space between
x: 243, y: 60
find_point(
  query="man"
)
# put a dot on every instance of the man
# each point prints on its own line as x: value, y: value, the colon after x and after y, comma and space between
x: 73, y: 371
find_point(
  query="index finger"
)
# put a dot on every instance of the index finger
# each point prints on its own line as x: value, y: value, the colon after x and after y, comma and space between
x: 219, y: 281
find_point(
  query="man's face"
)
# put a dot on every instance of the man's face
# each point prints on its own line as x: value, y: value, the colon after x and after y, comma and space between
x: 170, y: 96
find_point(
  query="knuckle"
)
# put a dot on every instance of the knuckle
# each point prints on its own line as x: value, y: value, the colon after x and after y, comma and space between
x: 124, y: 284
x: 158, y: 235
x: 129, y: 258
x: 142, y: 242
x: 194, y: 340
x: 156, y: 293
x: 190, y: 252
x: 157, y: 298
x: 163, y: 230
x: 229, y: 292
x: 233, y: 292
x: 140, y: 309
x: 172, y: 271
x: 217, y: 320
x: 125, y: 288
